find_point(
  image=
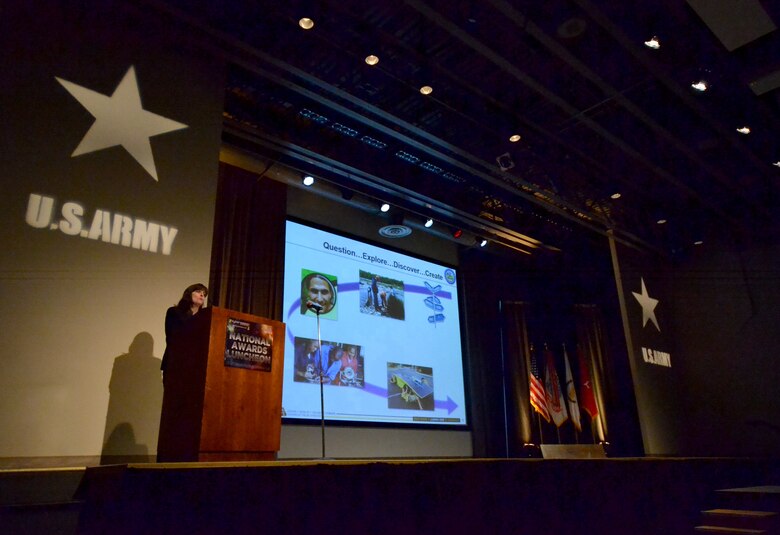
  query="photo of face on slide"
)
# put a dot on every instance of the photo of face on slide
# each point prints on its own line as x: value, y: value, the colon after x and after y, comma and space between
x: 318, y: 293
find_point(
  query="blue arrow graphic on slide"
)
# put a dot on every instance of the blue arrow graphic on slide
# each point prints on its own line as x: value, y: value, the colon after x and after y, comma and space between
x: 449, y: 405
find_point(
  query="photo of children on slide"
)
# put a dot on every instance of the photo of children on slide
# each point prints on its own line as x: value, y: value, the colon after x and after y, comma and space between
x: 341, y: 364
x: 381, y: 296
x: 409, y: 387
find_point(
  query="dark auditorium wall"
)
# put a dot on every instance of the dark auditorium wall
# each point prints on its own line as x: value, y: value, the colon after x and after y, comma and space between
x: 726, y: 305
x: 717, y: 311
x: 101, y: 232
x: 651, y: 336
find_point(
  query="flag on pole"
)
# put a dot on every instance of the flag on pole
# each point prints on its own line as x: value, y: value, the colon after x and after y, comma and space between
x: 589, y: 404
x: 555, y: 404
x: 538, y: 395
x: 571, y: 394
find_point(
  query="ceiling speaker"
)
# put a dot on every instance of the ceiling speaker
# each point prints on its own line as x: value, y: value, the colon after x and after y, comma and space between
x: 395, y: 231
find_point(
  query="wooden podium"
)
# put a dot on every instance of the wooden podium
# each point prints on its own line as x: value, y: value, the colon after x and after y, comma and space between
x: 213, y: 411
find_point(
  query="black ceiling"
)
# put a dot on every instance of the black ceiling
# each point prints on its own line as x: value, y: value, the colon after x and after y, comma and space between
x: 598, y: 111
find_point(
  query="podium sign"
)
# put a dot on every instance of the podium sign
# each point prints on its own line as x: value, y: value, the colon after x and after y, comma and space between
x: 223, y: 389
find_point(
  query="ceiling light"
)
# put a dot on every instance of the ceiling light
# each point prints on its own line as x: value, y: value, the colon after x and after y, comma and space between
x: 661, y: 221
x: 514, y: 138
x: 426, y: 90
x: 306, y: 23
x: 776, y: 164
x: 308, y: 180
x: 483, y: 242
x: 698, y: 242
x: 653, y: 43
x: 744, y: 130
x: 429, y: 223
x: 384, y: 208
x: 701, y: 85
x: 372, y: 60
x: 615, y: 195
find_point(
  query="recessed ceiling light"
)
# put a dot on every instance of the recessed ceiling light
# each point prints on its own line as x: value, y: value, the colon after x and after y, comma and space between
x: 514, y: 138
x: 385, y: 207
x: 429, y: 223
x: 653, y: 43
x: 698, y: 242
x: 483, y: 243
x: 701, y: 85
x: 308, y: 180
x: 306, y: 23
x: 615, y: 195
x: 372, y: 60
x: 661, y: 221
x: 426, y: 90
x: 744, y: 130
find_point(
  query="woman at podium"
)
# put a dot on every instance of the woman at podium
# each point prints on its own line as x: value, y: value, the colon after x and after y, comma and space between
x: 192, y: 300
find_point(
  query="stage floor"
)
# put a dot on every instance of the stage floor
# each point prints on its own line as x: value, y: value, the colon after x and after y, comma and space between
x: 624, y: 495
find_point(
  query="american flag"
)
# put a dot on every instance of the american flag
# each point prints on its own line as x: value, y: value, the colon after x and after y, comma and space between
x: 538, y: 397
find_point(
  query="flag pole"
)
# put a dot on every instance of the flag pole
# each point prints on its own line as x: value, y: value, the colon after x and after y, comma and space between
x: 539, y: 421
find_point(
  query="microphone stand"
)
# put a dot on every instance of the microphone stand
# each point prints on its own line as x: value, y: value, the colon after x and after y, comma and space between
x: 322, y: 389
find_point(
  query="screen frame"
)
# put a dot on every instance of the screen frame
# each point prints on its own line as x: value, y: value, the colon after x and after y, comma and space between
x: 286, y: 420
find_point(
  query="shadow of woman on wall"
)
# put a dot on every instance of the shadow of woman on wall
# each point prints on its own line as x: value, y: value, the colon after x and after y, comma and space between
x: 135, y: 399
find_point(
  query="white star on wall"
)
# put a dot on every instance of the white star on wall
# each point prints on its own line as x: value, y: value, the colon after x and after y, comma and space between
x: 121, y: 120
x: 648, y: 306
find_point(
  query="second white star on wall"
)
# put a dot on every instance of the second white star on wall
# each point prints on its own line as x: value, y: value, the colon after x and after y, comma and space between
x: 121, y: 120
x: 648, y: 306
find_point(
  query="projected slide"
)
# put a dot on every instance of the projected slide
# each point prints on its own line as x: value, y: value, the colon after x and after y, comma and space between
x: 390, y: 333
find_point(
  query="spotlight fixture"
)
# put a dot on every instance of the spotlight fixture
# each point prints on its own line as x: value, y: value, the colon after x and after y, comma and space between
x: 384, y: 208
x: 744, y: 130
x: 505, y: 161
x: 514, y: 138
x: 346, y: 194
x: 653, y: 43
x: 429, y: 223
x: 426, y: 90
x: 457, y: 233
x: 483, y: 242
x: 372, y: 60
x: 701, y: 85
x: 615, y: 195
x: 306, y: 23
x: 308, y: 180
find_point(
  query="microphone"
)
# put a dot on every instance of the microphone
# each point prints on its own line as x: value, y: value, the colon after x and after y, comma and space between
x: 314, y: 307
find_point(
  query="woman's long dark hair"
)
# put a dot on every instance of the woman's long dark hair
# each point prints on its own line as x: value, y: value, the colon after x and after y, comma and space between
x: 185, y: 303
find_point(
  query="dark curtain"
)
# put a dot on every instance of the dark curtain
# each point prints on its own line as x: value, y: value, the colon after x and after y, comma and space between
x: 483, y: 357
x: 592, y: 343
x: 516, y: 352
x: 247, y: 258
